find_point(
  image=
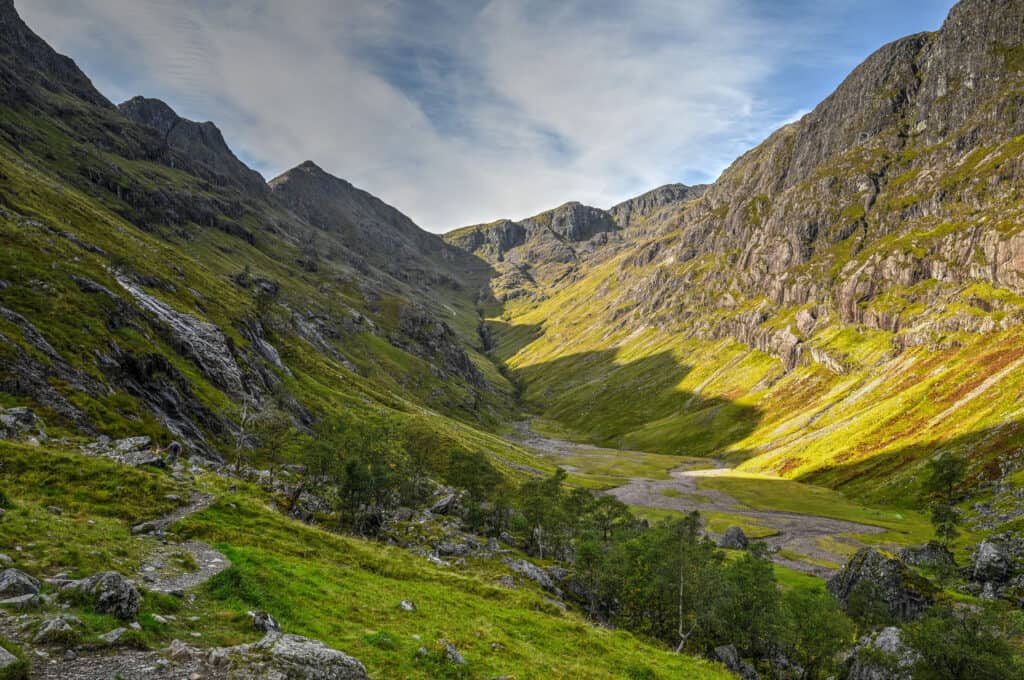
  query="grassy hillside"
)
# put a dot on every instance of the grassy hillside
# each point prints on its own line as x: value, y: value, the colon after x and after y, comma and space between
x: 343, y: 591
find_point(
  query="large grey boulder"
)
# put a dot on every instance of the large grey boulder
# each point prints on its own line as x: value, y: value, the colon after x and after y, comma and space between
x: 990, y: 562
x: 112, y: 594
x: 881, y: 656
x: 882, y: 581
x: 734, y: 539
x: 294, y: 656
x: 14, y: 582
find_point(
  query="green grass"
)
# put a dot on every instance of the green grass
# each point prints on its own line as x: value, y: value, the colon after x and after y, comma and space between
x: 341, y: 590
x: 762, y: 493
x: 718, y: 522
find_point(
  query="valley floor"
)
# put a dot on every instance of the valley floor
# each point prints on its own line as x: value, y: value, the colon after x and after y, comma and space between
x: 809, y: 529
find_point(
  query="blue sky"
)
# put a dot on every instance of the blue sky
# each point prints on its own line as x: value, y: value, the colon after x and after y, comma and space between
x: 466, y: 111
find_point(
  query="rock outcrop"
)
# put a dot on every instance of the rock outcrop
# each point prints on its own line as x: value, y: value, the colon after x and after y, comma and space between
x: 873, y: 580
x: 14, y: 582
x: 110, y: 592
x: 881, y: 656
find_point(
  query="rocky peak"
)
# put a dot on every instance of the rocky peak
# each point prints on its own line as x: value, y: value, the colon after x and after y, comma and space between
x: 26, y: 61
x: 199, y: 142
x: 572, y: 221
x: 637, y: 209
x: 357, y: 219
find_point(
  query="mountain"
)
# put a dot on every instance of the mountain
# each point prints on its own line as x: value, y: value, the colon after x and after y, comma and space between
x: 202, y: 142
x: 151, y: 281
x: 535, y: 253
x: 841, y: 305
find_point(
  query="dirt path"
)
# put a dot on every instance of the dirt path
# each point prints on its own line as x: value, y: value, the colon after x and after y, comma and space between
x: 176, y: 567
x: 797, y: 533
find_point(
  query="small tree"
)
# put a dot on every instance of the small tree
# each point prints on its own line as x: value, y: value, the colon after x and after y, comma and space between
x: 946, y: 519
x: 944, y: 474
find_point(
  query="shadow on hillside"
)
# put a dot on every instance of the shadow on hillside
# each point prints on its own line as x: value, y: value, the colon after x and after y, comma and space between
x: 901, y: 472
x: 633, y: 404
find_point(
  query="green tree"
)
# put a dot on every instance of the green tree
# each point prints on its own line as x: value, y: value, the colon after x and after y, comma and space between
x: 944, y: 474
x: 815, y: 631
x: 945, y: 519
x: 965, y: 643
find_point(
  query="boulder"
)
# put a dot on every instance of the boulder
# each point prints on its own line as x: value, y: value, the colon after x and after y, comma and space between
x: 881, y: 656
x: 452, y: 654
x: 264, y: 622
x: 730, y: 658
x: 113, y: 636
x: 407, y: 606
x: 534, y: 573
x: 882, y: 580
x: 7, y: 660
x: 734, y: 539
x: 14, y: 582
x: 53, y: 630
x: 113, y: 594
x: 27, y: 601
x: 20, y: 422
x: 298, y: 657
x: 990, y: 562
x: 931, y: 555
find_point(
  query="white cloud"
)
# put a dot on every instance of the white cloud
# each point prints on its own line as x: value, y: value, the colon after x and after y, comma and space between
x: 549, y: 101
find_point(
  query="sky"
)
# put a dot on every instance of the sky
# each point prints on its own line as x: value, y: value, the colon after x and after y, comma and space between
x: 465, y: 111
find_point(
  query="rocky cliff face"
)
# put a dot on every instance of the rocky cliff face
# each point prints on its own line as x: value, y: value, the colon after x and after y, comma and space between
x: 201, y: 142
x: 907, y: 174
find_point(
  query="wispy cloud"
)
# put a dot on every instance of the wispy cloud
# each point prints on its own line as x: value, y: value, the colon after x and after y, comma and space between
x: 464, y: 111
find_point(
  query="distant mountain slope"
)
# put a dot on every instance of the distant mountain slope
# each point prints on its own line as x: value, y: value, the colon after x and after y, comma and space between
x: 546, y: 250
x: 843, y: 302
x: 150, y: 283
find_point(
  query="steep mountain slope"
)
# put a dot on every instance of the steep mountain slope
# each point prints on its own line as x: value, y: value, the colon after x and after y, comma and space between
x: 842, y: 303
x: 151, y: 283
x: 201, y: 142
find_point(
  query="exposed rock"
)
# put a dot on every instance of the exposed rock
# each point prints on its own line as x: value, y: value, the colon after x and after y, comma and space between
x: 452, y: 654
x: 21, y: 602
x: 407, y: 606
x: 19, y: 423
x: 534, y: 573
x: 882, y: 580
x: 730, y: 657
x: 14, y: 582
x: 264, y: 622
x: 298, y: 657
x: 734, y: 539
x: 113, y: 636
x: 990, y: 562
x: 7, y: 660
x: 202, y: 341
x: 931, y: 555
x: 113, y: 594
x: 53, y: 630
x: 881, y: 656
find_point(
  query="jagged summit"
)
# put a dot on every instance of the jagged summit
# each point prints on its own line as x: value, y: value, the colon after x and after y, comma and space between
x: 27, y: 62
x: 200, y: 142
